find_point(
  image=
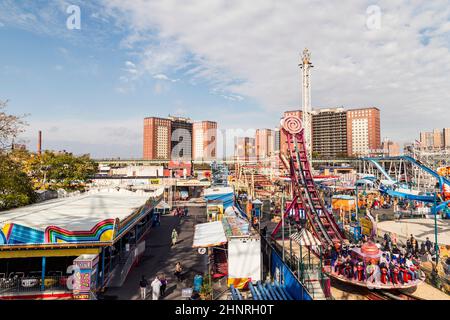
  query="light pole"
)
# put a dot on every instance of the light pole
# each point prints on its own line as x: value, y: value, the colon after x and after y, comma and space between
x: 282, y: 221
x: 436, y: 246
x: 357, y: 200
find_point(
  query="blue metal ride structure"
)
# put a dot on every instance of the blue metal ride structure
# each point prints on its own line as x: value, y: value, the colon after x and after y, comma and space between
x: 219, y: 173
x: 443, y: 184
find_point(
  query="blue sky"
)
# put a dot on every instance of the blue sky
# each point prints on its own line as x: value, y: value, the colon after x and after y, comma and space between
x: 228, y: 61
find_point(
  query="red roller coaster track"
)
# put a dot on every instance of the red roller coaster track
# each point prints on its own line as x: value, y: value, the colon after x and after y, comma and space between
x: 305, y: 195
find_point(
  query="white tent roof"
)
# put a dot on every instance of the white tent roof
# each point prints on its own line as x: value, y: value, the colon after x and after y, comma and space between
x: 209, y: 235
x: 78, y: 213
x: 305, y: 238
x: 162, y: 205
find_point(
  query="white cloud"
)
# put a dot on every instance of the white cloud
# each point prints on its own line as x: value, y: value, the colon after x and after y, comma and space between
x: 98, y: 137
x: 130, y: 64
x: 252, y: 50
x: 161, y: 77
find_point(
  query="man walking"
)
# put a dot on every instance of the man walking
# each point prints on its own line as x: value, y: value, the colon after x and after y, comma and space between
x: 156, y: 288
x: 143, y: 285
x: 163, y: 280
x: 428, y: 245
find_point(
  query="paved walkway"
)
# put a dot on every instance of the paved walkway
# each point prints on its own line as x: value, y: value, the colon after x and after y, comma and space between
x: 161, y: 257
x: 420, y: 228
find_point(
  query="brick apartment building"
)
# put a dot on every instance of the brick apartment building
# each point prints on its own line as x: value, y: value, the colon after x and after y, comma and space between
x: 157, y: 138
x: 244, y: 149
x: 204, y: 140
x: 329, y: 132
x: 363, y: 131
x: 337, y: 132
x: 181, y: 138
x: 264, y: 143
x: 435, y: 140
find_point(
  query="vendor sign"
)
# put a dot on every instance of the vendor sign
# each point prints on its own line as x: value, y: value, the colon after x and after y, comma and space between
x: 366, y: 226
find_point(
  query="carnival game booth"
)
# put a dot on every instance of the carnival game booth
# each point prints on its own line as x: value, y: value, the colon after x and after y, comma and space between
x: 234, y: 249
x: 39, y: 242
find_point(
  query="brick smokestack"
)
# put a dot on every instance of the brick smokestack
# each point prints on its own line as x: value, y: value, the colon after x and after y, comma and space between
x: 39, y: 146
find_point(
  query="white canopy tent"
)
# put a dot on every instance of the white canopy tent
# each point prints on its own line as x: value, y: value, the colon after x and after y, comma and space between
x: 209, y: 234
x: 163, y: 205
x: 305, y: 238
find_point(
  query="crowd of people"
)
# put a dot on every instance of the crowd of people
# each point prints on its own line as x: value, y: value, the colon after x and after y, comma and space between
x: 397, y: 265
x: 159, y: 284
x: 180, y: 212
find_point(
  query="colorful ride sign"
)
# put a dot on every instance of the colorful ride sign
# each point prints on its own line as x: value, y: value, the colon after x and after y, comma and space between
x: 85, y: 276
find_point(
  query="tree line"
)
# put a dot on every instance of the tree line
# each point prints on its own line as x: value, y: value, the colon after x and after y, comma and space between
x: 23, y: 173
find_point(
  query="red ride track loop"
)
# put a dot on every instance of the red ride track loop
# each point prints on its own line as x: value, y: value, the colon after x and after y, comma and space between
x: 305, y: 195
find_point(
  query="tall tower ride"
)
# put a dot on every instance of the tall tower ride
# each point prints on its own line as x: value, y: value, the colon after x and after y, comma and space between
x: 306, y: 66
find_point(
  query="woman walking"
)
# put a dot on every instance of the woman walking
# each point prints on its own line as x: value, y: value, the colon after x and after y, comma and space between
x: 174, y: 236
x: 143, y: 286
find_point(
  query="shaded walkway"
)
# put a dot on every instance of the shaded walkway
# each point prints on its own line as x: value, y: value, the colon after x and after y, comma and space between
x: 160, y: 257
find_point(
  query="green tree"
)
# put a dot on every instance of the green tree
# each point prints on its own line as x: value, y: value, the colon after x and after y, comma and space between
x: 53, y: 170
x: 16, y: 188
x: 10, y: 127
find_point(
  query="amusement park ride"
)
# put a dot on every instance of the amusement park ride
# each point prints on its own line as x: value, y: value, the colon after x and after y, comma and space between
x: 308, y: 210
x: 407, y: 178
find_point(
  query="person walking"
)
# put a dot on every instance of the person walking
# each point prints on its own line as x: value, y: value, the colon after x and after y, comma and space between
x: 178, y: 270
x: 428, y: 244
x: 163, y: 280
x: 156, y: 288
x: 174, y: 236
x: 158, y: 219
x: 143, y: 286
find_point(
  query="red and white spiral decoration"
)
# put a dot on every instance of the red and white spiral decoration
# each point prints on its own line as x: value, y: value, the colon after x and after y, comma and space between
x: 292, y: 124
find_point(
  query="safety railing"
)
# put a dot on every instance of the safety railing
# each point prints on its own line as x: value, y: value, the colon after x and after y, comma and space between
x: 33, y: 284
x: 304, y: 270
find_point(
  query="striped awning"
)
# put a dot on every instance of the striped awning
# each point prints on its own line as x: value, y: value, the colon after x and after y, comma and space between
x: 305, y: 238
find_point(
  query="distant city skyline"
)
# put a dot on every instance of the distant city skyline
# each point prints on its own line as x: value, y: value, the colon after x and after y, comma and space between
x: 88, y: 89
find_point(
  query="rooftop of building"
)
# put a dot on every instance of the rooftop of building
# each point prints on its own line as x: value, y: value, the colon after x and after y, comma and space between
x: 364, y: 108
x: 180, y: 119
x: 77, y: 213
x: 333, y: 109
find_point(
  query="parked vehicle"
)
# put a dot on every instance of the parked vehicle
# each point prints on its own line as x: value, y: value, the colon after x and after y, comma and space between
x: 12, y: 280
x: 31, y: 280
x: 53, y: 279
x: 61, y: 279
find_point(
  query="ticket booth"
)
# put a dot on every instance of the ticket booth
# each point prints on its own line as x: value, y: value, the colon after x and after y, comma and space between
x: 85, y: 277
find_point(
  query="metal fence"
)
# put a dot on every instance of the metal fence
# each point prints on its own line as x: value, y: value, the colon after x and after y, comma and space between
x: 16, y: 284
x: 303, y: 269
